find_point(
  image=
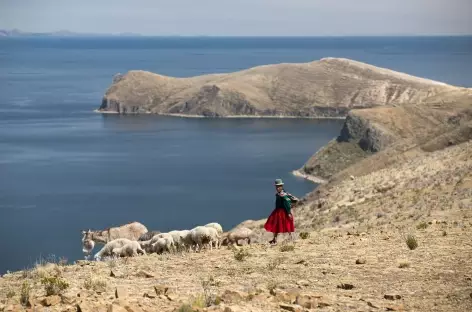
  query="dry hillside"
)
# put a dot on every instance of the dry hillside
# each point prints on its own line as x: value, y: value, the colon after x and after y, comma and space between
x: 325, y: 88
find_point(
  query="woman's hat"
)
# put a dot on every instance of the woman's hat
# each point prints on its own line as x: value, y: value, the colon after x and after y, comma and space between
x: 279, y: 182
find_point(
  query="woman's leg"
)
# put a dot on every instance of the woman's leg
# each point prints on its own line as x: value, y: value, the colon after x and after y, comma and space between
x: 274, y: 240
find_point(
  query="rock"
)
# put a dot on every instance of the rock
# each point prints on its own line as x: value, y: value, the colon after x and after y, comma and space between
x: 346, y: 286
x: 172, y: 297
x: 68, y: 299
x: 370, y: 304
x: 112, y: 274
x: 115, y: 308
x: 303, y: 283
x: 291, y: 307
x: 309, y: 301
x: 285, y: 296
x: 14, y: 308
x: 145, y: 274
x: 233, y: 309
x: 392, y: 297
x: 51, y: 300
x: 83, y: 294
x: 85, y: 307
x: 148, y: 295
x: 121, y: 292
x: 82, y: 262
x: 233, y: 296
x: 360, y: 261
x: 161, y: 289
x: 399, y: 307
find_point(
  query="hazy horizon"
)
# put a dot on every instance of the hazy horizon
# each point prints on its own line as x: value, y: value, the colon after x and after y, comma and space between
x: 245, y: 18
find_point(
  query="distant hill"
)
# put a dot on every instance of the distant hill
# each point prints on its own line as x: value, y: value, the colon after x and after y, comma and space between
x: 329, y: 87
x: 60, y: 33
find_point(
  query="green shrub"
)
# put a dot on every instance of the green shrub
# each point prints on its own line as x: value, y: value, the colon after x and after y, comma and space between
x: 25, y: 293
x: 422, y: 226
x: 287, y: 247
x: 54, y: 285
x: 240, y: 254
x: 304, y: 235
x: 411, y: 242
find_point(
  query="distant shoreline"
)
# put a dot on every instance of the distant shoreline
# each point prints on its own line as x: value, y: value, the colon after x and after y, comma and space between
x: 308, y: 177
x: 223, y: 117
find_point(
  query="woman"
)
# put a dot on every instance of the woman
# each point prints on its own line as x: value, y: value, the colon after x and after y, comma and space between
x: 281, y: 219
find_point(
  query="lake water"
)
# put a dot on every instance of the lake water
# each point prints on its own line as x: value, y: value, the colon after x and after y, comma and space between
x: 64, y: 168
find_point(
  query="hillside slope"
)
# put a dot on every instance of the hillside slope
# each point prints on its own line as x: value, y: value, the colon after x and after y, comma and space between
x: 329, y: 87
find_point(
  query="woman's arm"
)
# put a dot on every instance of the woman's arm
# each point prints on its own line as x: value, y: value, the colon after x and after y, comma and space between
x: 287, y: 205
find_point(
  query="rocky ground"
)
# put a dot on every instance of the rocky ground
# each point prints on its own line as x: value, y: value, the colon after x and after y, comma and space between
x: 332, y: 270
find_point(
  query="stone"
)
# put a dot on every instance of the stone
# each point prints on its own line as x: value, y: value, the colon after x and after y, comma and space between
x: 14, y: 308
x: 399, y: 307
x: 145, y: 274
x: 291, y: 307
x: 51, y: 300
x: 112, y: 274
x: 360, y: 261
x: 309, y: 301
x: 115, y: 308
x: 233, y: 309
x: 233, y: 296
x: 148, y: 295
x: 172, y: 297
x: 85, y: 307
x: 285, y: 296
x: 161, y: 289
x: 303, y: 283
x: 121, y: 292
x: 392, y: 297
x: 82, y: 294
x: 346, y: 286
x: 68, y: 299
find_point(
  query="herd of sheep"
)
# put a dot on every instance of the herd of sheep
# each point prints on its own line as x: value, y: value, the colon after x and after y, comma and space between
x: 132, y: 239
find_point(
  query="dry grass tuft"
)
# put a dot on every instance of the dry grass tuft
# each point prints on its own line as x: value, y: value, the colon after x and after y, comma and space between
x: 97, y: 284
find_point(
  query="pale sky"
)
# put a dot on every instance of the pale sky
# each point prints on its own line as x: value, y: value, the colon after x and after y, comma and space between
x: 241, y: 17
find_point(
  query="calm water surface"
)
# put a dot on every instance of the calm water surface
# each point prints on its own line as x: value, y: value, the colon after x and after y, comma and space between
x: 64, y: 168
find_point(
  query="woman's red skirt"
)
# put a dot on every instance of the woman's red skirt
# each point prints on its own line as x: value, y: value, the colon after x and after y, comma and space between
x: 279, y: 222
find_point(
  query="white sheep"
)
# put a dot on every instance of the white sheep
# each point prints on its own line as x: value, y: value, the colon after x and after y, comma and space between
x: 147, y: 245
x: 202, y: 235
x: 216, y: 226
x: 236, y: 235
x: 163, y: 244
x: 129, y: 250
x: 108, y: 248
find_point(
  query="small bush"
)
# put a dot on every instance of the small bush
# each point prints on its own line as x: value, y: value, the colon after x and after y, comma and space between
x: 304, y: 235
x: 54, y: 285
x: 25, y: 293
x: 411, y: 242
x: 240, y: 254
x: 444, y: 233
x: 210, y: 288
x: 271, y: 286
x: 199, y: 302
x: 11, y: 293
x: 96, y: 284
x: 185, y: 308
x: 422, y: 226
x: 287, y: 247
